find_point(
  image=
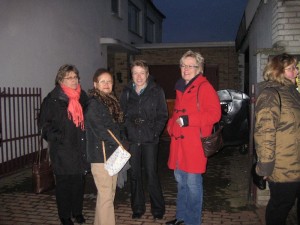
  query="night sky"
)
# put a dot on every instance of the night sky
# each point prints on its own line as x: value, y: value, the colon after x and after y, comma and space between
x: 200, y: 20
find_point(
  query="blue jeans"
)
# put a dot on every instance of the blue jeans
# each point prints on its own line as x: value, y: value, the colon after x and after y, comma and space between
x: 189, y: 197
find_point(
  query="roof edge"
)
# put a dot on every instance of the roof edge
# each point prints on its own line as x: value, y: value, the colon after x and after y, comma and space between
x: 185, y: 45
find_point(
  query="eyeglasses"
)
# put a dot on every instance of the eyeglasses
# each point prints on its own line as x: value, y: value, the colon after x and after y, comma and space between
x: 182, y: 66
x: 292, y: 68
x: 71, y: 78
x: 102, y: 82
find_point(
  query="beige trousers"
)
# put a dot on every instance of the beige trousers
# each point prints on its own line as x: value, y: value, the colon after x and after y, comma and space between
x: 106, y: 186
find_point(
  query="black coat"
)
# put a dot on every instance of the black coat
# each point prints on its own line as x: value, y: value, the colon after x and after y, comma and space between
x: 97, y: 121
x: 145, y: 114
x: 66, y: 141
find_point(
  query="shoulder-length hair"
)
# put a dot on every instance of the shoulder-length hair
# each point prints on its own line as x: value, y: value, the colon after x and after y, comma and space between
x: 274, y: 70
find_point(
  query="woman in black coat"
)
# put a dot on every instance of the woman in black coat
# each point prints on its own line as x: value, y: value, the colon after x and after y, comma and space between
x: 103, y: 113
x: 146, y: 113
x: 62, y: 125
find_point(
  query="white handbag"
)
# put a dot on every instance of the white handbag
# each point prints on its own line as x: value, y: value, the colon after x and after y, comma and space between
x: 117, y: 160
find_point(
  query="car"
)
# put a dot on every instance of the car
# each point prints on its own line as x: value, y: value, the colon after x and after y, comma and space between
x: 235, y: 118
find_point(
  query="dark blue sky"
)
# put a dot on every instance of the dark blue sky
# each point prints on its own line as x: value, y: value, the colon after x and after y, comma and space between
x: 200, y: 20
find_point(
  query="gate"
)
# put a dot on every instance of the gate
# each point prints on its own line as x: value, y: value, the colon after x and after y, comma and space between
x: 18, y: 127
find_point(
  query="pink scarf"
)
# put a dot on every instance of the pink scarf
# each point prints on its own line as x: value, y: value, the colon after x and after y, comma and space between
x: 74, y: 107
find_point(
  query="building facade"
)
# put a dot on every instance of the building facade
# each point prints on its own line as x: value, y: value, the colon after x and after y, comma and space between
x: 37, y: 37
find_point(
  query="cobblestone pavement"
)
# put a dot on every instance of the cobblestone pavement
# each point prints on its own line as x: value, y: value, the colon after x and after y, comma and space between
x: 225, y: 196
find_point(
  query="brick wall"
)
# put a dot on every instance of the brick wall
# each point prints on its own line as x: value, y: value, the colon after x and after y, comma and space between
x: 286, y: 25
x: 120, y: 67
x: 226, y: 58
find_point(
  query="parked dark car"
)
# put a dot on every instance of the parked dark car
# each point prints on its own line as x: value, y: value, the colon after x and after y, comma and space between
x: 235, y: 118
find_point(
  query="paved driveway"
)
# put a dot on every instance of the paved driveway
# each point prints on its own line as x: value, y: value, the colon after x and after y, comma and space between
x: 225, y: 196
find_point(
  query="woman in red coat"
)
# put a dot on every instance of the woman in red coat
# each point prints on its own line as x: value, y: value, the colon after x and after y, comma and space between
x: 186, y: 157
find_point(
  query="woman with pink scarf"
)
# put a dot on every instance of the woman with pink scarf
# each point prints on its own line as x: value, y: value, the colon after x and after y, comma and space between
x: 62, y: 124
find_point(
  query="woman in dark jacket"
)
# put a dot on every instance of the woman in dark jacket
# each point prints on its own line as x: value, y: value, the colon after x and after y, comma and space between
x: 103, y: 113
x: 62, y: 124
x: 145, y: 110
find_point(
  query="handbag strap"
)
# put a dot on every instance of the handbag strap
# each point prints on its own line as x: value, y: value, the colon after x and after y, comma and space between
x: 198, y: 104
x: 39, y: 153
x: 114, y: 137
x: 104, y: 152
x: 103, y: 144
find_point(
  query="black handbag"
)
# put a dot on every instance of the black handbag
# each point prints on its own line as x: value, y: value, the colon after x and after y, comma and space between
x: 259, y: 181
x: 213, y: 143
x: 42, y: 172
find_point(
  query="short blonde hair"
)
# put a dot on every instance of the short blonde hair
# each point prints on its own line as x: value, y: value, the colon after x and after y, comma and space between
x: 197, y: 56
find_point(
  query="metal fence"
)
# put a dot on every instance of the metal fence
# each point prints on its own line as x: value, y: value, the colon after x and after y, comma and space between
x: 19, y: 137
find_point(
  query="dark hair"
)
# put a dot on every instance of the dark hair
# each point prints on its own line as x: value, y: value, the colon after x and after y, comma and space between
x: 63, y: 72
x: 99, y: 72
x: 274, y: 70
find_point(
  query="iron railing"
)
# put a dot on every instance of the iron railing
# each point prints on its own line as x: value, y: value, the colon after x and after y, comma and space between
x: 18, y: 127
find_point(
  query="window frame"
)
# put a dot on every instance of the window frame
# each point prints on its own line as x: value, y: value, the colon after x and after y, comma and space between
x: 134, y: 18
x: 150, y: 30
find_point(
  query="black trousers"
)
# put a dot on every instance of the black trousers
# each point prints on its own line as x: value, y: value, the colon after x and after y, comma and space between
x: 145, y: 155
x: 69, y: 195
x: 282, y: 199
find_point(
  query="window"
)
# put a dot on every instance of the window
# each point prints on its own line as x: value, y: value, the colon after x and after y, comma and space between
x: 134, y: 17
x: 115, y: 7
x: 150, y: 31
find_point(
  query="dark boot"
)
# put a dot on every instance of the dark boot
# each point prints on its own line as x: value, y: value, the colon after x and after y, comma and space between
x: 175, y: 222
x: 66, y: 221
x: 79, y: 219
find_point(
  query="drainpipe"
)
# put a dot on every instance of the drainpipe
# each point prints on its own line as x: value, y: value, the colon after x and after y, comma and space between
x: 251, y: 190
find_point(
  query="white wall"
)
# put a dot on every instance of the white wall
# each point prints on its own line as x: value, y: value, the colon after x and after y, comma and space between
x: 38, y: 36
x: 259, y: 38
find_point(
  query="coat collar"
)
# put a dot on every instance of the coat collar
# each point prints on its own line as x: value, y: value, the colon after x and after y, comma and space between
x: 197, y: 80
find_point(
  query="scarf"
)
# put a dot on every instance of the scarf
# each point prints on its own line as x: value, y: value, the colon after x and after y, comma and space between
x: 111, y: 102
x: 74, y: 108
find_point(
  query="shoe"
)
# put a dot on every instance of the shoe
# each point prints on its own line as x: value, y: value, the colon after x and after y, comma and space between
x: 67, y: 221
x: 158, y: 216
x: 175, y: 222
x: 79, y: 219
x: 137, y: 215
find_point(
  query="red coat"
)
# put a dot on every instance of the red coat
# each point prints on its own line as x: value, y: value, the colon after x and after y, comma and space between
x: 186, y: 152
